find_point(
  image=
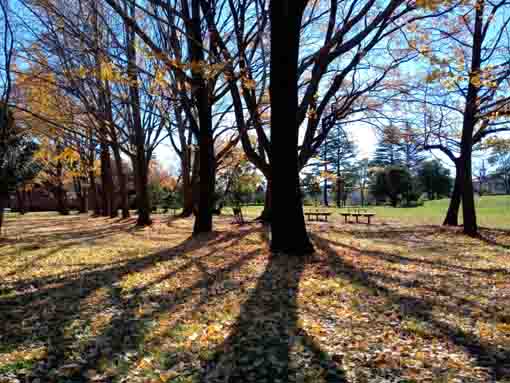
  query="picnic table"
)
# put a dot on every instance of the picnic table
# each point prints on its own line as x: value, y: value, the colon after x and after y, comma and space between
x: 317, y: 214
x: 358, y: 213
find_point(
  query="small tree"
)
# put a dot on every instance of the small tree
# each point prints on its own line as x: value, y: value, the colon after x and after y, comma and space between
x: 434, y: 179
x: 17, y: 168
x: 389, y: 148
x: 392, y: 182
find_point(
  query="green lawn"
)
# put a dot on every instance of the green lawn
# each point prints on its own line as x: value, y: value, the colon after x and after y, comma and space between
x: 492, y: 211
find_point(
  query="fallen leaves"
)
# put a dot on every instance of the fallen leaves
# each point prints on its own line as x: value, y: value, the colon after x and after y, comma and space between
x: 99, y: 300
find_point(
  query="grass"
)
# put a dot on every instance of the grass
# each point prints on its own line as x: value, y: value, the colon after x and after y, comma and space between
x: 93, y: 299
x: 492, y: 211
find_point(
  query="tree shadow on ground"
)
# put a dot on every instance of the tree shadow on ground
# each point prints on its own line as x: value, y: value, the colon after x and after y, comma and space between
x: 266, y: 343
x: 44, y: 309
x: 496, y: 360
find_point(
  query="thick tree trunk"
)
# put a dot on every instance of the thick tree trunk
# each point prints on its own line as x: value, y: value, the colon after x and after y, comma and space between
x: 4, y: 197
x: 142, y: 190
x: 203, y: 221
x: 466, y: 144
x: 468, y: 200
x: 61, y: 199
x: 124, y: 201
x: 20, y: 196
x: 288, y: 230
x: 452, y: 216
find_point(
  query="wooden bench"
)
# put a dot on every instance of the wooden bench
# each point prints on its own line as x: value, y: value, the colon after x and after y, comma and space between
x: 357, y: 215
x: 317, y: 214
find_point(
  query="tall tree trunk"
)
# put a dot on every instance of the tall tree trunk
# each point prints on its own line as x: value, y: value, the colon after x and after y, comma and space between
x: 325, y: 195
x: 124, y: 201
x: 20, y: 196
x: 4, y: 198
x: 188, y: 183
x: 140, y: 162
x: 61, y: 192
x: 94, y: 200
x: 339, y: 191
x: 470, y: 112
x: 107, y: 182
x: 61, y: 199
x: 203, y: 221
x: 288, y: 230
x: 142, y: 192
x: 468, y: 197
x: 452, y: 216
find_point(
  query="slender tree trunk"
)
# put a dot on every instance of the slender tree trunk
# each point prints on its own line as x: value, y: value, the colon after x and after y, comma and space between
x: 452, y: 216
x: 61, y: 199
x: 288, y: 228
x: 267, y: 213
x: 124, y: 201
x: 107, y: 182
x: 140, y: 161
x: 188, y: 184
x: 94, y: 200
x: 4, y: 197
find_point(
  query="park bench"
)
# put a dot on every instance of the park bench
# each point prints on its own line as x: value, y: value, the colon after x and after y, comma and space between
x: 238, y: 215
x: 356, y: 214
x: 317, y: 214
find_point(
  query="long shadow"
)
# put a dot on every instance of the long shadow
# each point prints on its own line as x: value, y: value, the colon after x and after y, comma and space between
x: 266, y: 343
x: 485, y: 236
x: 494, y: 359
x: 395, y: 258
x: 55, y: 304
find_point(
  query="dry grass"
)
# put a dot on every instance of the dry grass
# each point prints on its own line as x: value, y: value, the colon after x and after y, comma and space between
x: 90, y: 299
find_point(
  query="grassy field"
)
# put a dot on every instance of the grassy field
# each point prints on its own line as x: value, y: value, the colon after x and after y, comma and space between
x: 96, y: 300
x: 492, y: 211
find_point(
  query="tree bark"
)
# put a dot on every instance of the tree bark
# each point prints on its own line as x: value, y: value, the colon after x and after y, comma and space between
x: 203, y: 221
x: 142, y: 192
x: 107, y: 182
x: 124, y: 201
x: 466, y: 144
x: 93, y: 193
x: 288, y: 230
x: 189, y: 182
x: 20, y: 196
x: 452, y: 216
x: 140, y: 161
x: 4, y: 197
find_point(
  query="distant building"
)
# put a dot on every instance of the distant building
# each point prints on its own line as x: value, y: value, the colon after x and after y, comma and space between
x: 491, y: 184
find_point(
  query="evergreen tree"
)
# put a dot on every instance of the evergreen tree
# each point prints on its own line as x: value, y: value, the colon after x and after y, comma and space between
x: 335, y: 155
x: 434, y: 179
x: 389, y: 148
x: 412, y: 151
